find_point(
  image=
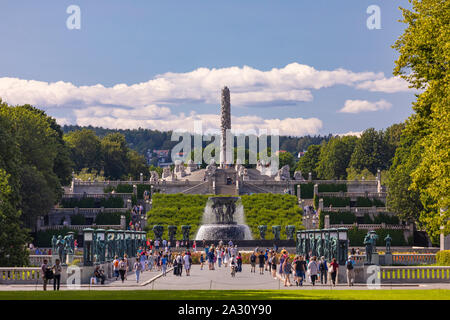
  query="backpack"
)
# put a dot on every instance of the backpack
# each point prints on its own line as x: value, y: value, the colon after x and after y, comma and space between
x: 349, y: 265
x: 116, y: 263
x: 253, y: 258
x: 48, y: 274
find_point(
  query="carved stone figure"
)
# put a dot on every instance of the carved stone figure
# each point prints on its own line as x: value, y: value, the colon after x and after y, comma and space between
x: 167, y: 174
x: 388, y: 240
x: 186, y: 230
x: 262, y: 232
x: 61, y: 245
x: 368, y: 244
x: 172, y: 231
x: 319, y: 245
x: 373, y: 240
x: 276, y: 232
x: 154, y: 176
x: 191, y: 166
x: 158, y: 231
x: 54, y: 240
x: 298, y: 176
x: 283, y: 174
x: 290, y: 230
x: 179, y: 169
x: 333, y: 249
x: 225, y: 122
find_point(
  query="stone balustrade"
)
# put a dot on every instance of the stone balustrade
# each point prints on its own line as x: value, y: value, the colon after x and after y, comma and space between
x: 401, y: 259
x: 353, y: 194
x: 419, y: 274
x: 20, y: 275
x: 81, y: 227
x: 359, y: 211
x: 371, y: 226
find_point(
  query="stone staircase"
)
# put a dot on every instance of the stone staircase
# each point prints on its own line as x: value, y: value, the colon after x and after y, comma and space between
x: 226, y: 189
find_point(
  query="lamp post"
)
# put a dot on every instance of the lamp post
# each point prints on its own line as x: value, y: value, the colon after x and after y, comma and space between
x: 88, y: 237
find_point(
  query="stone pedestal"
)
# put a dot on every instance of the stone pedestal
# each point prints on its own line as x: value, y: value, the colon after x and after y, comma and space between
x: 375, y: 258
x: 445, y: 242
x: 69, y: 259
x: 388, y: 259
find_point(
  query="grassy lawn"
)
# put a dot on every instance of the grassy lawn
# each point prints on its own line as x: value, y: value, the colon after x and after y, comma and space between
x: 411, y: 294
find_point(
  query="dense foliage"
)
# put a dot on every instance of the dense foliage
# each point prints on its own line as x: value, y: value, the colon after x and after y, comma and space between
x: 43, y: 238
x: 356, y: 237
x: 443, y: 258
x: 87, y: 202
x: 420, y: 184
x: 111, y: 218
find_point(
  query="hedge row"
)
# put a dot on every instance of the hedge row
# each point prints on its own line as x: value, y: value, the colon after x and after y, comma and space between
x: 367, y: 202
x: 336, y: 201
x: 443, y: 258
x: 347, y: 217
x: 356, y: 237
x: 110, y: 202
x: 338, y: 187
x: 108, y: 218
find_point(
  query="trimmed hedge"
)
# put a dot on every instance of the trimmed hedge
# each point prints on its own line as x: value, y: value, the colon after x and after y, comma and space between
x: 356, y: 237
x: 110, y: 202
x: 443, y: 258
x: 271, y: 209
x: 341, y: 217
x: 332, y: 187
x: 120, y: 188
x: 104, y: 218
x: 78, y: 219
x: 367, y: 202
x: 306, y: 190
x: 336, y: 201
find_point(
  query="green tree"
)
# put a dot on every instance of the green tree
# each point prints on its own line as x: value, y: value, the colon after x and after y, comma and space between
x: 13, y: 237
x: 85, y: 149
x: 286, y: 158
x: 136, y: 165
x: 335, y: 157
x: 424, y: 63
x: 308, y: 163
x: 115, y: 152
x: 370, y: 152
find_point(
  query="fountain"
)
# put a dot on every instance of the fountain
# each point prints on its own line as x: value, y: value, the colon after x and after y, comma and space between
x: 223, y: 219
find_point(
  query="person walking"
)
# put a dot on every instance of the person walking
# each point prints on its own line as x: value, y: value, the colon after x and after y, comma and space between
x: 137, y: 269
x: 122, y: 269
x: 350, y: 265
x: 261, y: 261
x: 239, y: 262
x: 274, y: 265
x: 164, y: 263
x: 333, y: 271
x: 253, y: 262
x: 313, y: 270
x: 125, y: 258
x: 57, y: 269
x: 323, y: 269
x: 287, y: 270
x: 202, y: 261
x: 187, y: 260
x: 116, y: 267
x: 180, y: 265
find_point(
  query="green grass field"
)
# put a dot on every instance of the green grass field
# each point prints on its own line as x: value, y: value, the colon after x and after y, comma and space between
x: 411, y: 294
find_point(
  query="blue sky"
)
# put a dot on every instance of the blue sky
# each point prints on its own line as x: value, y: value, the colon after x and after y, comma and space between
x: 182, y: 52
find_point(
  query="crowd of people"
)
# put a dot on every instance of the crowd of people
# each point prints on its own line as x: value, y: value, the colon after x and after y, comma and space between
x: 159, y: 256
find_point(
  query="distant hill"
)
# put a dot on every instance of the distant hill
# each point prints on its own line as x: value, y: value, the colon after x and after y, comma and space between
x: 142, y: 140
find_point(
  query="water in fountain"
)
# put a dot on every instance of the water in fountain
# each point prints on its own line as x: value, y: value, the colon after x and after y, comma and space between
x: 223, y: 219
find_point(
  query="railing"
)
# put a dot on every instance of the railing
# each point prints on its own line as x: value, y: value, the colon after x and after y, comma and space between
x: 370, y: 226
x: 354, y: 194
x: 404, y: 259
x: 87, y: 210
x: 96, y: 195
x: 358, y: 210
x: 420, y: 274
x: 194, y: 187
x: 38, y: 260
x: 81, y: 227
x: 20, y: 275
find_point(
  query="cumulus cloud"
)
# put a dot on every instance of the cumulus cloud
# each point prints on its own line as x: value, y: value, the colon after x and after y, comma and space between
x: 278, y: 86
x: 387, y: 85
x: 108, y: 117
x: 357, y: 106
x: 351, y: 133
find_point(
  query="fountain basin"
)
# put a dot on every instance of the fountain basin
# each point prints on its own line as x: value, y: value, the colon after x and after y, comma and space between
x: 223, y: 232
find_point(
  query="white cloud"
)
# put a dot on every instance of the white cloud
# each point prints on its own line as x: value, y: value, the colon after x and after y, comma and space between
x: 249, y: 86
x: 387, y: 85
x: 162, y: 120
x: 357, y: 106
x: 350, y: 133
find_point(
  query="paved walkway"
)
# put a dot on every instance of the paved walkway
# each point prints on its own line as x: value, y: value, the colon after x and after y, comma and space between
x: 219, y: 279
